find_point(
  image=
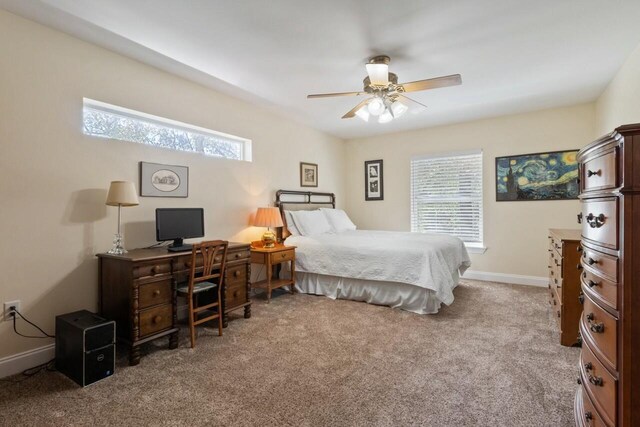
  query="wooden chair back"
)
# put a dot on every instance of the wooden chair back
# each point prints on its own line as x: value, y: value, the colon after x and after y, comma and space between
x: 214, y: 256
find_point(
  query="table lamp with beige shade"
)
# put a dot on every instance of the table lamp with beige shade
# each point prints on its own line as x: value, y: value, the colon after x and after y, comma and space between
x: 121, y: 193
x: 268, y: 217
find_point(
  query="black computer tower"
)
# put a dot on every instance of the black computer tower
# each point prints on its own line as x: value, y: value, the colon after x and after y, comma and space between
x: 85, y: 346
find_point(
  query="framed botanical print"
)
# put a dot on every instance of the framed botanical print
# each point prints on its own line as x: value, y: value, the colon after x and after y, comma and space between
x: 373, y: 180
x: 308, y: 174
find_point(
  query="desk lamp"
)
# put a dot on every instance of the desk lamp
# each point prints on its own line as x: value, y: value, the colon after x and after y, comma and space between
x: 268, y: 217
x: 121, y: 193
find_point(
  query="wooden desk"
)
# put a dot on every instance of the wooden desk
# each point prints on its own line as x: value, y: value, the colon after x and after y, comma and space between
x: 138, y: 291
x: 271, y: 257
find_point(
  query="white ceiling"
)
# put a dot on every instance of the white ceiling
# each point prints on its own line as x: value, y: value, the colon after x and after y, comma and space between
x: 514, y: 55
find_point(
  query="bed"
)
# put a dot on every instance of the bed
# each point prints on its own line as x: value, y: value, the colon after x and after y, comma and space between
x: 416, y: 272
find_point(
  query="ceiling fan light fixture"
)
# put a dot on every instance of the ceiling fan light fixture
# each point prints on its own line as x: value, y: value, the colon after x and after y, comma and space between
x: 385, y: 117
x: 398, y: 108
x: 378, y: 74
x: 376, y: 106
x: 363, y: 113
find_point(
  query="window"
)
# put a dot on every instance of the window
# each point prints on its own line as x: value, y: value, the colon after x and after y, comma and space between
x: 446, y: 195
x: 110, y: 121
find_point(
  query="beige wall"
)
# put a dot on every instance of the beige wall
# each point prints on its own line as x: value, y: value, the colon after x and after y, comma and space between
x: 619, y: 104
x: 514, y: 232
x: 54, y: 179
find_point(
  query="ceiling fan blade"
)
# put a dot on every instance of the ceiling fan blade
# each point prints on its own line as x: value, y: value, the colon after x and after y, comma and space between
x: 403, y: 97
x: 353, y: 111
x: 452, y: 80
x: 328, y: 95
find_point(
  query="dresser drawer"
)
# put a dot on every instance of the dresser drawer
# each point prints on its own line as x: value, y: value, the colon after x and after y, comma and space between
x: 601, y: 288
x: 155, y: 320
x: 600, y: 221
x: 600, y: 328
x: 236, y: 274
x: 586, y: 413
x: 600, y: 264
x: 282, y: 256
x: 599, y: 384
x: 599, y: 172
x: 155, y: 293
x: 143, y: 270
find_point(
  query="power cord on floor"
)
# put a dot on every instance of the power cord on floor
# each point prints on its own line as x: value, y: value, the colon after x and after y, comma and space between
x: 50, y: 366
x: 15, y: 329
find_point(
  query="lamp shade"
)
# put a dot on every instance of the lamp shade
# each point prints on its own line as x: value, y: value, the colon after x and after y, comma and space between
x: 122, y: 193
x: 268, y: 217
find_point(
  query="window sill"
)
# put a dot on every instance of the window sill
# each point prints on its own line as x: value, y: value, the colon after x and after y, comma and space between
x: 475, y: 249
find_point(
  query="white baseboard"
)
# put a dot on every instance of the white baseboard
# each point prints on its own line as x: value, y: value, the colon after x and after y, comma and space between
x: 17, y: 363
x: 515, y: 279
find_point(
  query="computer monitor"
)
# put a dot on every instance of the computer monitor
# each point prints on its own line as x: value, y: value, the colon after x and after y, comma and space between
x: 177, y: 224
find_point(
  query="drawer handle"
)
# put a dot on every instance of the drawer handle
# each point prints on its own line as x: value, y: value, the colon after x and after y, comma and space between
x: 595, y: 221
x: 157, y: 319
x: 557, y: 247
x: 154, y: 269
x: 283, y: 255
x: 591, y: 284
x: 588, y: 366
x: 557, y: 263
x: 237, y: 255
x: 591, y: 261
x: 588, y: 416
x: 558, y: 312
x: 580, y: 218
x: 579, y: 381
x: 581, y: 298
x: 156, y: 293
x: 579, y: 340
x: 591, y: 173
x: 579, y: 267
x: 597, y: 381
x: 237, y: 273
x: 579, y: 248
x: 598, y: 328
x: 554, y: 302
x: 555, y: 281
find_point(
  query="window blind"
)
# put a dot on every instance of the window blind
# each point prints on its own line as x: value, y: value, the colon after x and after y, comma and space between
x: 446, y: 195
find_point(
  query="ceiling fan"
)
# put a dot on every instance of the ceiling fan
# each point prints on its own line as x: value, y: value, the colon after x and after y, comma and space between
x: 388, y: 95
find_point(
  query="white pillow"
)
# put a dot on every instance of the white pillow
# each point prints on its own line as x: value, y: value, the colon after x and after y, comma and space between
x: 311, y: 222
x: 291, y: 225
x: 338, y: 219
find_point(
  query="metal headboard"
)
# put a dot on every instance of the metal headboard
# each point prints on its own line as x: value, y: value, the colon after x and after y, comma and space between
x: 300, y: 200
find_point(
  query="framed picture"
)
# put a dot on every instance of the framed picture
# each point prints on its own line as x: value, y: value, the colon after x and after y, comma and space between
x: 373, y: 180
x: 308, y: 174
x: 158, y: 180
x: 538, y: 176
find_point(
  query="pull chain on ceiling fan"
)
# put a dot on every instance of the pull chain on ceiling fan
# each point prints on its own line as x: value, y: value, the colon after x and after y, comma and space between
x: 388, y: 100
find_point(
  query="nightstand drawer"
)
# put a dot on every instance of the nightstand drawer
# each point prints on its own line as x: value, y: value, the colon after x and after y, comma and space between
x: 282, y: 256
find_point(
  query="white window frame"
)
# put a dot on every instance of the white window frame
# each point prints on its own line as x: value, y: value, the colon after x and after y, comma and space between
x: 99, y: 106
x: 473, y: 247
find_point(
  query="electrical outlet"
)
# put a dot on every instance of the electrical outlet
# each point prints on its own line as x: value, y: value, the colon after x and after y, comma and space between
x: 8, y: 313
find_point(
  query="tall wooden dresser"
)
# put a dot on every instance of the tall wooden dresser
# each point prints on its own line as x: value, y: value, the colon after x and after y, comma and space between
x: 564, y: 282
x: 609, y: 394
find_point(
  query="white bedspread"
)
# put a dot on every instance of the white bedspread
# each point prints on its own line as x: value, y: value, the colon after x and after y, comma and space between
x: 426, y: 260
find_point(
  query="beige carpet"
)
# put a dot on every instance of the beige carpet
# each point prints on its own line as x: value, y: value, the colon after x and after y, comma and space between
x: 491, y: 359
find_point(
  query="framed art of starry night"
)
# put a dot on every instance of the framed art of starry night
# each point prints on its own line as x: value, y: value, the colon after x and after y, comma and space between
x: 537, y: 176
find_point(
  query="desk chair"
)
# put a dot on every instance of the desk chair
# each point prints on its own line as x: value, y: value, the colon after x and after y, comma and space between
x: 214, y: 254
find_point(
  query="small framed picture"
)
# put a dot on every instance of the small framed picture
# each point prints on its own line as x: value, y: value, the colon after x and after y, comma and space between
x: 158, y: 180
x: 373, y: 180
x: 308, y: 174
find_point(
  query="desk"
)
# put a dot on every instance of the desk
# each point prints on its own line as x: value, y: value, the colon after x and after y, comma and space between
x: 138, y: 291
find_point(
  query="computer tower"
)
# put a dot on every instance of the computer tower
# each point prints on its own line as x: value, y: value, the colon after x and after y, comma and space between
x: 85, y: 346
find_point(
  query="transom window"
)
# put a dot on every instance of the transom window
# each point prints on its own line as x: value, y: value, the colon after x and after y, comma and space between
x: 446, y: 195
x: 110, y: 121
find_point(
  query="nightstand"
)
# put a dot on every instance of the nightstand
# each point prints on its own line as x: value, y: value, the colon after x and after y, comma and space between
x: 271, y: 257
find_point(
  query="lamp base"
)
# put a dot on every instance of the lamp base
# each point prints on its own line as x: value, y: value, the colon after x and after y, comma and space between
x: 269, y: 239
x: 118, y: 248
